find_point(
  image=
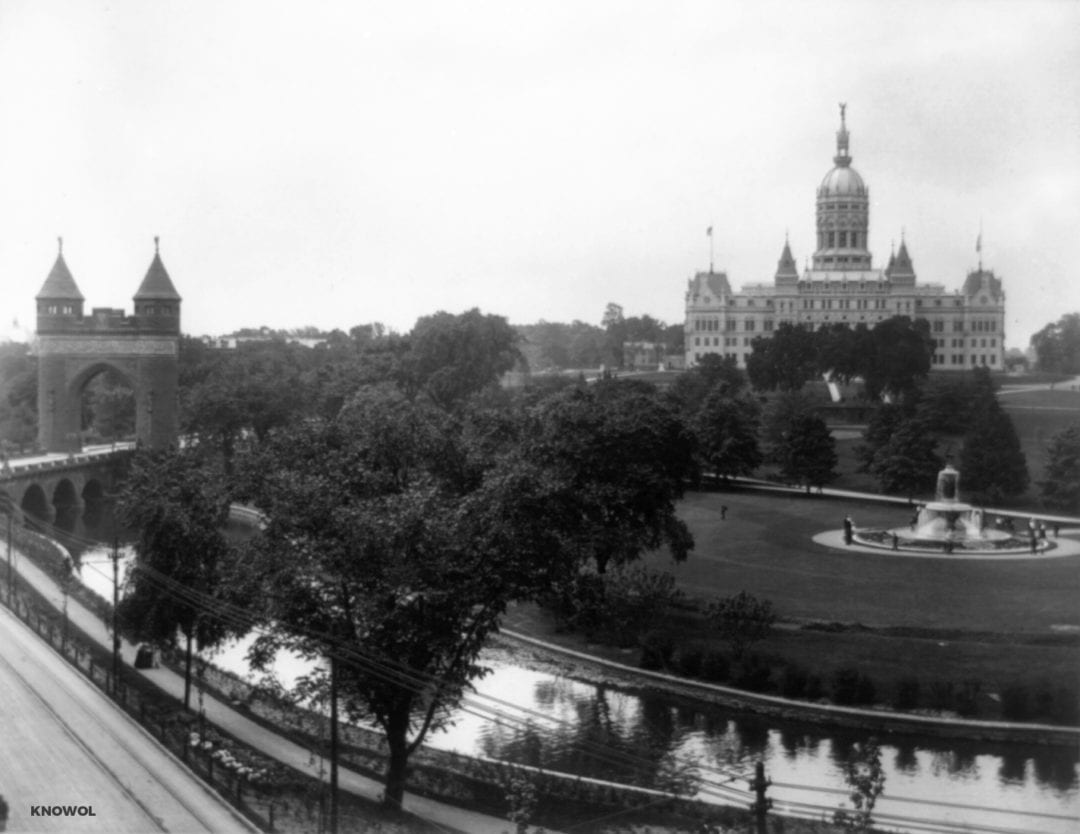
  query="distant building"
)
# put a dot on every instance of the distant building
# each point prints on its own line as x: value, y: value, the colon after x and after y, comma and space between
x: 967, y: 326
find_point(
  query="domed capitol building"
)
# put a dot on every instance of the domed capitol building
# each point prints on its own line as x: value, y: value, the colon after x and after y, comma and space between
x: 842, y: 286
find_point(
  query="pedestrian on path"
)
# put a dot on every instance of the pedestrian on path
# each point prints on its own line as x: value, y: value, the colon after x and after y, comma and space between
x: 723, y: 512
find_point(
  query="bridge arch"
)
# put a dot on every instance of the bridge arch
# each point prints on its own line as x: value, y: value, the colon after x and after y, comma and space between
x: 65, y: 501
x: 93, y: 499
x: 35, y: 503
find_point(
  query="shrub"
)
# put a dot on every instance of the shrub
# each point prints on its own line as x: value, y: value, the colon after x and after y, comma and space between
x: 754, y: 675
x: 1014, y: 703
x: 907, y: 694
x: 793, y: 683
x: 852, y: 688
x: 742, y: 620
x: 657, y: 647
x: 942, y: 695
x: 815, y: 688
x: 715, y: 667
x: 687, y: 660
x: 967, y: 699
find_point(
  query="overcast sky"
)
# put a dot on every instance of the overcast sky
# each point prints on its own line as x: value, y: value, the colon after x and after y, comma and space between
x: 332, y: 163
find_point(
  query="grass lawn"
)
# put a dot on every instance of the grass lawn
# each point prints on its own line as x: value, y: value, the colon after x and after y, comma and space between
x: 932, y: 618
x: 764, y: 547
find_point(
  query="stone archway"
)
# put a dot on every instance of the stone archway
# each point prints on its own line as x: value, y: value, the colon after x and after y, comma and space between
x: 34, y: 503
x: 73, y: 347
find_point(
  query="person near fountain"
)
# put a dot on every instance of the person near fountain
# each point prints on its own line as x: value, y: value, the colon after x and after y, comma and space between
x: 849, y: 529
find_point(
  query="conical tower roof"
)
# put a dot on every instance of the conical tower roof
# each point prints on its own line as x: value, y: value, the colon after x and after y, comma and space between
x: 786, y: 267
x: 157, y: 284
x: 60, y: 284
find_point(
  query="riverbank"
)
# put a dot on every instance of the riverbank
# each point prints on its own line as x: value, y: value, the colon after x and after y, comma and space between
x: 571, y: 656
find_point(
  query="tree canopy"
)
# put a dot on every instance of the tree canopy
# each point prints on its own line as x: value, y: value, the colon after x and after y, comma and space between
x: 1060, y: 489
x: 1057, y: 345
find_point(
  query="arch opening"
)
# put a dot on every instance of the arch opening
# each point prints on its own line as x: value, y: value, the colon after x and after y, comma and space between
x: 66, y: 504
x: 107, y: 411
x: 93, y: 497
x: 34, y: 503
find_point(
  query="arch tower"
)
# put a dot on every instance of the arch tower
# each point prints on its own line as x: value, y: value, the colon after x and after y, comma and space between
x: 73, y: 348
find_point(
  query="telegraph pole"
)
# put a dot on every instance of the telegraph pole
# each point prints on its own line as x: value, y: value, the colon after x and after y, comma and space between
x: 116, y: 614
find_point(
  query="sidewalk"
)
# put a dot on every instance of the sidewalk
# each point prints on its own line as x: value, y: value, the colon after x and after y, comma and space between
x: 439, y: 816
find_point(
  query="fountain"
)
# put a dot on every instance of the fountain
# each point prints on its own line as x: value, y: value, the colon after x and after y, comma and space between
x: 950, y: 525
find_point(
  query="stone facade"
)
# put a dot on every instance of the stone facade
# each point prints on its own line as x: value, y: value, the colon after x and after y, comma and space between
x: 73, y: 348
x: 967, y: 326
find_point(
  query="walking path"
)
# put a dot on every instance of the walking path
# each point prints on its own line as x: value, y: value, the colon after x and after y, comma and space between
x: 438, y: 815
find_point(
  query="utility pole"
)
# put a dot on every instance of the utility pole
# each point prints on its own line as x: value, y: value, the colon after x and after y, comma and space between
x: 761, y: 805
x: 10, y: 569
x: 115, y: 614
x: 333, y: 743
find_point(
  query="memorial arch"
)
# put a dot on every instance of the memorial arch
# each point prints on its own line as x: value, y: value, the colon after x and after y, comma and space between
x: 73, y: 348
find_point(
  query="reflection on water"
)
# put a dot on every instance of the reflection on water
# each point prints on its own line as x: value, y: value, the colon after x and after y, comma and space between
x: 605, y: 732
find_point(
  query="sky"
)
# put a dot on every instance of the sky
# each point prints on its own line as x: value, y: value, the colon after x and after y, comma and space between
x: 336, y: 163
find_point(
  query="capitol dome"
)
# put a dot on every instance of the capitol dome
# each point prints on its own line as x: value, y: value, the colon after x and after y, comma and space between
x: 842, y: 181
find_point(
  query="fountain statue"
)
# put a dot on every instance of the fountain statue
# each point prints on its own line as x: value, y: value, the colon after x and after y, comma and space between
x: 948, y: 524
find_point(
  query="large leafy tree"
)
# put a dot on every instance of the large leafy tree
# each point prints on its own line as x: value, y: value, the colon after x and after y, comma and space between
x: 1061, y: 488
x: 241, y: 395
x: 380, y: 559
x: 896, y: 357
x: 713, y: 371
x: 452, y: 357
x: 785, y: 360
x: 991, y: 460
x: 1057, y: 345
x: 178, y: 508
x: 18, y: 395
x: 807, y: 452
x: 906, y: 463
x: 726, y: 429
x: 623, y: 456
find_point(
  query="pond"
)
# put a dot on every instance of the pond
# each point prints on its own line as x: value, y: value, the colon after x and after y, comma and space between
x: 530, y: 716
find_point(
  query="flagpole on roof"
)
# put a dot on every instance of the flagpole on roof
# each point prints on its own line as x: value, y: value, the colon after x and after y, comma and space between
x: 708, y: 232
x: 978, y: 244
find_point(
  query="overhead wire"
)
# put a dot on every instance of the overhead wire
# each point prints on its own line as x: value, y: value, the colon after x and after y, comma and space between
x: 393, y: 671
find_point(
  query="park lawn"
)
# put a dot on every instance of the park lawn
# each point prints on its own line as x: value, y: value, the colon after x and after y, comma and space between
x: 765, y: 547
x: 936, y: 619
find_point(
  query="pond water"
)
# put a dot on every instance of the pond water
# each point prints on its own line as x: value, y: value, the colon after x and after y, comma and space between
x: 536, y: 718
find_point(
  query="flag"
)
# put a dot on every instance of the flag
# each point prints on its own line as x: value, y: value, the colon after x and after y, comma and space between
x: 708, y: 231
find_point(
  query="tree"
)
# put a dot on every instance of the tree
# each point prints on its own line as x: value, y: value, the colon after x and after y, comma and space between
x: 451, y: 357
x: 780, y: 412
x: 614, y: 324
x: 807, y: 453
x: 713, y: 371
x: 991, y: 460
x: 838, y: 351
x: 245, y: 393
x: 726, y: 429
x: 785, y: 360
x: 178, y: 508
x: 1061, y: 489
x: 622, y: 455
x: 896, y: 357
x: 866, y: 782
x: 1057, y: 345
x: 742, y: 620
x: 906, y: 462
x: 380, y: 559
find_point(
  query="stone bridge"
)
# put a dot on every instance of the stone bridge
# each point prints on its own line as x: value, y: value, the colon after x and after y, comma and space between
x: 68, y: 491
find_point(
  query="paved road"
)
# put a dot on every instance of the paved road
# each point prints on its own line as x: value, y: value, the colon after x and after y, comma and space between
x: 64, y: 743
x: 430, y: 815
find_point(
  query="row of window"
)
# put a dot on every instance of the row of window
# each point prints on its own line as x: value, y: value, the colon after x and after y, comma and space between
x: 959, y: 343
x: 729, y: 341
x: 958, y: 359
x: 842, y: 239
x: 60, y: 309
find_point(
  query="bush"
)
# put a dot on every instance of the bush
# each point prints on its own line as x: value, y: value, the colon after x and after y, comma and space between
x: 907, y: 694
x: 657, y: 648
x: 815, y: 688
x: 742, y: 620
x: 793, y: 683
x: 942, y: 696
x: 715, y: 667
x: 1014, y: 703
x: 754, y: 675
x: 967, y: 699
x: 852, y: 688
x: 687, y: 660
